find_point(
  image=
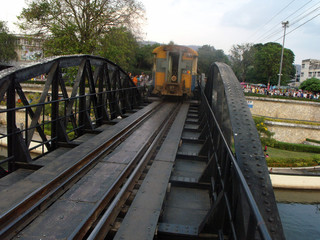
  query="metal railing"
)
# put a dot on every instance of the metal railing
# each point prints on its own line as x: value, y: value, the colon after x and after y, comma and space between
x: 98, y: 92
x: 230, y: 190
x: 243, y: 201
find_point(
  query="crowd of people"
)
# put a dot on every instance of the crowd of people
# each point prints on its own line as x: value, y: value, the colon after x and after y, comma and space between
x: 141, y: 80
x: 288, y: 92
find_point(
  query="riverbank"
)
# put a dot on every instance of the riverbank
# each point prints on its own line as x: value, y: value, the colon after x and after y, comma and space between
x: 295, y: 182
x: 296, y: 178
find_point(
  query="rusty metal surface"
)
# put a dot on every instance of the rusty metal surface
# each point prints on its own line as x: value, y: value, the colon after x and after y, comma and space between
x: 23, y: 194
x: 16, y: 176
x: 186, y: 206
x: 190, y: 135
x: 57, y: 222
x: 142, y: 218
x: 100, y: 183
x: 92, y: 187
x: 148, y: 202
x: 188, y: 169
x: 178, y: 229
x: 46, y: 159
x: 169, y: 149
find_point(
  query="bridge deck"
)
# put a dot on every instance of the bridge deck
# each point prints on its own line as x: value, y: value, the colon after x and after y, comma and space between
x: 159, y: 209
x: 22, y: 188
x: 61, y: 218
x: 148, y: 202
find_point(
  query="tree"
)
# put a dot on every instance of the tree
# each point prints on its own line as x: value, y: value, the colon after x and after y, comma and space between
x: 242, y: 58
x: 311, y: 84
x: 77, y: 26
x: 208, y: 55
x: 119, y: 46
x: 267, y: 63
x: 144, y: 57
x: 7, y: 44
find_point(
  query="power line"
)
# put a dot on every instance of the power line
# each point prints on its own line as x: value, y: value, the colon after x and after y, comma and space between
x: 293, y: 21
x: 276, y: 25
x: 292, y: 24
x: 306, y: 15
x: 299, y: 26
x: 300, y: 9
x: 272, y: 18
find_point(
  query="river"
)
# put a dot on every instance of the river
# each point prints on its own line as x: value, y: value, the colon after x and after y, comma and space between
x: 300, y: 213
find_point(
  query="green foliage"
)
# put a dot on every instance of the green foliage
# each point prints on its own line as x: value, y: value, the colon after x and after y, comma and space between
x: 144, y: 58
x: 312, y: 140
x: 7, y: 44
x: 260, y: 63
x: 76, y: 26
x: 208, y: 55
x: 293, y: 161
x: 291, y: 146
x: 119, y: 46
x: 267, y: 62
x: 292, y: 121
x: 311, y: 84
x: 262, y: 128
x: 242, y: 57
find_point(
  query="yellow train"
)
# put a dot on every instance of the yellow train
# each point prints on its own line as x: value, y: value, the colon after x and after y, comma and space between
x: 174, y: 70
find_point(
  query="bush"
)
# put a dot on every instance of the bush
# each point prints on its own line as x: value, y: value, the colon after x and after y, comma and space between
x: 312, y: 140
x: 293, y: 162
x: 290, y: 146
x: 280, y: 97
x: 262, y: 128
x: 268, y: 141
x: 297, y: 147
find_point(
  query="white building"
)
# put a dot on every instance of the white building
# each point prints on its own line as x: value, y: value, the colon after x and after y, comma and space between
x: 29, y: 48
x: 310, y: 68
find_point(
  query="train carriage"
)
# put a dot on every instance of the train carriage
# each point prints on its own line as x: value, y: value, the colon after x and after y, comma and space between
x: 174, y: 70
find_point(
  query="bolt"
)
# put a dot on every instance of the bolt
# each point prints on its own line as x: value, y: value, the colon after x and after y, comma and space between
x: 270, y: 219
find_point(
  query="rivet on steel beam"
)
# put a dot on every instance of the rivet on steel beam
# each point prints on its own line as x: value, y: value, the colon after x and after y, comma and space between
x: 270, y: 219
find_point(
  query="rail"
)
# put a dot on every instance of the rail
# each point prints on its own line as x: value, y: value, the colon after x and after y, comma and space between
x: 32, y: 205
x: 99, y: 92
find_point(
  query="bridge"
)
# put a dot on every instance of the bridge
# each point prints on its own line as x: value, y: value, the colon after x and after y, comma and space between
x: 113, y: 163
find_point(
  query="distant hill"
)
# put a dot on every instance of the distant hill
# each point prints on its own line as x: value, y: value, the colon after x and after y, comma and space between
x: 194, y: 47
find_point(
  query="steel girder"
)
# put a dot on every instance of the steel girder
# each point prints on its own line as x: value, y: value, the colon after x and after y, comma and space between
x: 230, y: 108
x: 100, y: 92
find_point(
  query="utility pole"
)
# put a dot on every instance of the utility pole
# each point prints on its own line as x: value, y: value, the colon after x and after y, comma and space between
x: 284, y: 24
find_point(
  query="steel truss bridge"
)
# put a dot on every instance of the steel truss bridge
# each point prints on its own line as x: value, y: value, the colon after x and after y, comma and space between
x: 105, y: 161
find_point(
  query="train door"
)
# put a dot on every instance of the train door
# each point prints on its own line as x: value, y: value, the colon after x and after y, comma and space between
x: 173, y: 72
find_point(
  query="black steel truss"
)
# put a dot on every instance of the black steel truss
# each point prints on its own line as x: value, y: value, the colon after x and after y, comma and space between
x: 244, y: 205
x: 100, y: 91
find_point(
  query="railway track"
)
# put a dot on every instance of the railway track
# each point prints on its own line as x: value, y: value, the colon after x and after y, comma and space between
x: 85, y: 200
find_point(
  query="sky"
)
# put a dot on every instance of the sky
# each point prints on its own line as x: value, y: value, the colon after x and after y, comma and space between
x: 222, y: 23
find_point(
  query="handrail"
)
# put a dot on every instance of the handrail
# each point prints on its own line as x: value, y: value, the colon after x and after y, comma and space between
x: 247, y: 192
x: 225, y: 98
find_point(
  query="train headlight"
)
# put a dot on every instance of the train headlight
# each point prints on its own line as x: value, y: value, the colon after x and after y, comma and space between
x: 173, y: 78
